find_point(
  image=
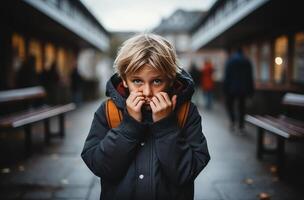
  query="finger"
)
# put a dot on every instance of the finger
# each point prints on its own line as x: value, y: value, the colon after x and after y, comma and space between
x: 166, y: 97
x: 153, y: 106
x: 133, y: 95
x: 137, y: 100
x: 139, y: 104
x: 163, y: 102
x: 174, y: 100
x: 161, y: 99
x: 156, y: 102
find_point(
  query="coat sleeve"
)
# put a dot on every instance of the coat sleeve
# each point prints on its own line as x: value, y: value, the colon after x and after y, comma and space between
x: 109, y: 152
x: 182, y: 153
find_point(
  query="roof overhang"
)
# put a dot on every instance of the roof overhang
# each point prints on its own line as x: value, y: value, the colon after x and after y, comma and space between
x: 254, y: 19
x: 52, y: 21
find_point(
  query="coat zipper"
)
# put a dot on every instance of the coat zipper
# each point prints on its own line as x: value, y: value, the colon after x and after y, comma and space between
x: 151, y: 169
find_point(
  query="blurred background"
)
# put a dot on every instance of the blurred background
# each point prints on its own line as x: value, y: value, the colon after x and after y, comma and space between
x: 57, y: 55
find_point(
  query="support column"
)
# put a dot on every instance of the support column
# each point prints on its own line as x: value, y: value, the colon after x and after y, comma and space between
x: 260, y: 145
x: 280, y: 155
x: 47, y: 132
x: 28, y: 140
x: 61, y: 125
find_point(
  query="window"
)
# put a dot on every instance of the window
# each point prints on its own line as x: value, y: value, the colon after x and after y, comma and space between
x: 18, y: 47
x: 265, y: 62
x: 61, y: 60
x: 35, y: 50
x: 50, y: 55
x: 280, y: 59
x: 298, y: 68
x: 253, y: 58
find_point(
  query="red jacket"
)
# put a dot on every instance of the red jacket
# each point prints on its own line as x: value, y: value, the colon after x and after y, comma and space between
x: 207, y: 83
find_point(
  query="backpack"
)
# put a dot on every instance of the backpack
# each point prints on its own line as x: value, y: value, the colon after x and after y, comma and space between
x: 114, y: 115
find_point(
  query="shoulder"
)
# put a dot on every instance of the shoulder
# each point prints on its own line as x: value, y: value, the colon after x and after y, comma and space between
x: 102, y: 107
x: 193, y: 109
x: 107, y: 107
x: 193, y: 114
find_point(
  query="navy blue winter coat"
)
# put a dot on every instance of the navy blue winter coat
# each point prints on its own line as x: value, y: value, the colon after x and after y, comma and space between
x: 238, y: 78
x: 145, y: 160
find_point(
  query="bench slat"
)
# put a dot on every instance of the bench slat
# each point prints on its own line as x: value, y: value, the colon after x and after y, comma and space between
x: 35, y: 116
x: 293, y: 121
x: 285, y: 123
x: 293, y: 99
x: 6, y: 120
x: 289, y: 129
x: 260, y: 123
x: 22, y: 94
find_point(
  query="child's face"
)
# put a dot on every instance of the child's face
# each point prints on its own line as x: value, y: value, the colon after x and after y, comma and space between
x: 148, y: 81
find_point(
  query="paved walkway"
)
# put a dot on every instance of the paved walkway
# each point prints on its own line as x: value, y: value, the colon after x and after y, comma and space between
x: 57, y: 171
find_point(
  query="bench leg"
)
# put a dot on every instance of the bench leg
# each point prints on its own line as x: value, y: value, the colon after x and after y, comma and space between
x: 28, y: 139
x: 47, y: 132
x: 61, y: 126
x: 260, y: 145
x: 280, y: 155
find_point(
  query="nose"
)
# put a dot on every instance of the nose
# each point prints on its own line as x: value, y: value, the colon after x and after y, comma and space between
x: 147, y: 91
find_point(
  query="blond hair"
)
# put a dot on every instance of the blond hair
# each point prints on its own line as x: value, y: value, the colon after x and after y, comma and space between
x: 146, y: 49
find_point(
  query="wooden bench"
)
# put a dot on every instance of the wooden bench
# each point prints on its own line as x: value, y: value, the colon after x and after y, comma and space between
x: 22, y: 94
x: 26, y: 118
x: 282, y: 126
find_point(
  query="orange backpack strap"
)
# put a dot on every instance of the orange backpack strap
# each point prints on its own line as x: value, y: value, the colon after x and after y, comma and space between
x: 114, y: 115
x: 182, y: 114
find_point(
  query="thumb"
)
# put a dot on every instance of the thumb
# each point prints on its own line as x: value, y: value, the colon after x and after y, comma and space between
x: 174, y: 99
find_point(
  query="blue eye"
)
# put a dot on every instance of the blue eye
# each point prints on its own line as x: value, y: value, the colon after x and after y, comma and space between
x: 157, y: 82
x: 137, y: 81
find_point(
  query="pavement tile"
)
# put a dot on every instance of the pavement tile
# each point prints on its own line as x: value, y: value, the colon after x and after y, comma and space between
x: 95, y: 191
x: 205, y: 190
x: 72, y: 192
x: 57, y: 171
x: 37, y: 195
x: 10, y: 193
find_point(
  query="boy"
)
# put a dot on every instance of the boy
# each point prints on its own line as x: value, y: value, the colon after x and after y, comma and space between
x: 148, y: 155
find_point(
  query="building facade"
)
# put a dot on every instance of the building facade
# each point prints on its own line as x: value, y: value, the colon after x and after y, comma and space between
x: 272, y: 35
x: 54, y: 32
x: 178, y: 28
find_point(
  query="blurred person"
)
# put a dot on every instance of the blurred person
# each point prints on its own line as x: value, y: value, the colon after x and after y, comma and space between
x: 195, y: 74
x: 50, y: 79
x: 147, y: 156
x: 27, y: 75
x: 207, y: 83
x: 76, y: 85
x: 238, y: 85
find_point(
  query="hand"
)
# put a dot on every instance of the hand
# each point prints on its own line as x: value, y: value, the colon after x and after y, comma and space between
x: 134, y: 103
x: 161, y: 105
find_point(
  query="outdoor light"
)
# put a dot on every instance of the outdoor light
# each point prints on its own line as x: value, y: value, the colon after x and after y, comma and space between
x: 278, y: 60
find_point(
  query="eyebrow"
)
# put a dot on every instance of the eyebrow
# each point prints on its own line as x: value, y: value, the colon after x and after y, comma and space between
x: 139, y: 77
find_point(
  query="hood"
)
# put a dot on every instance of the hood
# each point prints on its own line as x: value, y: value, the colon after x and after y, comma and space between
x: 182, y: 87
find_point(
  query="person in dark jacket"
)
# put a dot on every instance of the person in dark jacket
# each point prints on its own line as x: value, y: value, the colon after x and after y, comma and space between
x: 50, y: 79
x: 238, y: 85
x: 27, y: 75
x: 195, y: 75
x: 76, y: 85
x: 148, y: 156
